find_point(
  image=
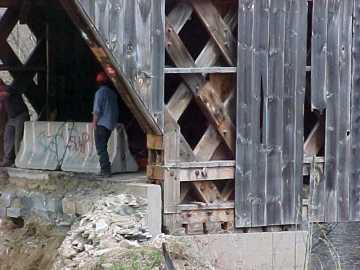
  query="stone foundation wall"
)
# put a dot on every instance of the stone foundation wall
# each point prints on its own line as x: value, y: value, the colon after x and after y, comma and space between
x: 61, y: 198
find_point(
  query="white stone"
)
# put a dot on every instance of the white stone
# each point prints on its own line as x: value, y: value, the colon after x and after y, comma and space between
x: 129, y: 244
x: 101, y: 225
x: 69, y: 253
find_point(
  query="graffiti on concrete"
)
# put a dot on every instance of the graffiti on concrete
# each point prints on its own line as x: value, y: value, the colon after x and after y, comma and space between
x: 66, y: 139
x: 80, y: 143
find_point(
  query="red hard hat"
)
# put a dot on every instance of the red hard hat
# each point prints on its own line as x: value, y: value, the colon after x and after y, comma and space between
x: 102, y: 78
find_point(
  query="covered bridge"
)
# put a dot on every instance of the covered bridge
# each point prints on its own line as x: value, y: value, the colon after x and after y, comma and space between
x: 250, y: 107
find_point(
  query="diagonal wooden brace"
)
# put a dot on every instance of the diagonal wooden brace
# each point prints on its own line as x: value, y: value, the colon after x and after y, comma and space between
x: 205, y: 95
x: 217, y: 28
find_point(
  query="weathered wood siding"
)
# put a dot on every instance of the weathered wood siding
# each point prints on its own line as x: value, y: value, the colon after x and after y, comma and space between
x: 334, y: 88
x: 271, y: 87
x: 133, y: 31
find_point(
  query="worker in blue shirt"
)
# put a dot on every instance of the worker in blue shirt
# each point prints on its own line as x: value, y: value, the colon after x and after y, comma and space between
x: 105, y: 119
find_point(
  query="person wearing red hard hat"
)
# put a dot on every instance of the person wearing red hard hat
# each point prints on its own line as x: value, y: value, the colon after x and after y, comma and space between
x: 105, y: 119
x: 12, y: 103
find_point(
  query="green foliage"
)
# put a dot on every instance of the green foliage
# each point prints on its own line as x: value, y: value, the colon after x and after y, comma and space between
x: 140, y: 260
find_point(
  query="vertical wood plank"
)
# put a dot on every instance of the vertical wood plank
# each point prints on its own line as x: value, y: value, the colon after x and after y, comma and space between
x: 354, y: 185
x: 261, y: 47
x: 295, y: 56
x: 274, y: 110
x: 158, y: 61
x: 143, y: 51
x: 288, y: 129
x: 333, y: 88
x: 317, y: 194
x: 117, y: 32
x: 343, y: 117
x: 129, y: 54
x: 299, y: 107
x: 318, y: 54
x: 245, y: 153
x: 294, y: 89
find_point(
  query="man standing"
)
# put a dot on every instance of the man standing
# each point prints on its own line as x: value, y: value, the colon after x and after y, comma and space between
x: 14, y: 106
x: 105, y: 119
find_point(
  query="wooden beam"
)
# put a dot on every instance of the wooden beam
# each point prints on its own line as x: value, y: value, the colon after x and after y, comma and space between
x: 105, y: 58
x: 207, y: 145
x: 208, y: 100
x: 315, y: 140
x: 179, y: 15
x: 228, y: 190
x: 200, y: 70
x: 208, y: 191
x: 155, y: 142
x: 9, y: 3
x: 177, y: 149
x: 206, y: 215
x: 7, y: 23
x: 203, y: 173
x: 179, y: 101
x: 205, y: 206
x: 183, y: 96
x: 217, y: 28
x: 21, y: 69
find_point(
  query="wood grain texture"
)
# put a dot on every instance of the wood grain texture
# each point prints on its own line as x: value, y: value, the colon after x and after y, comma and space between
x: 354, y: 186
x: 318, y: 54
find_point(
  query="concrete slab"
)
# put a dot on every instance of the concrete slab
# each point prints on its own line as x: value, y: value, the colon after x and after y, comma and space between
x: 16, y: 212
x: 152, y: 193
x: 284, y: 250
x: 81, y: 155
x: 43, y: 146
x: 71, y: 147
x: 250, y: 251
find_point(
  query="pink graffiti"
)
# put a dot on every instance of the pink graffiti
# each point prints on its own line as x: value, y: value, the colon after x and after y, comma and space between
x: 79, y: 143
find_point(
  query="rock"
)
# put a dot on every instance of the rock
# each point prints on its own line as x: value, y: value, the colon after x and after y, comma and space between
x: 69, y: 206
x: 113, y: 224
x: 79, y: 247
x: 102, y: 252
x: 88, y: 247
x: 101, y: 225
x: 107, y: 266
x: 69, y: 253
x: 128, y: 244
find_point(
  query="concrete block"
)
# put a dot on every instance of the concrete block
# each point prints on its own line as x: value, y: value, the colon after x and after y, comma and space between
x: 83, y: 206
x: 39, y: 150
x: 6, y: 198
x: 17, y: 203
x: 27, y: 202
x: 256, y: 251
x: 248, y: 251
x: 152, y: 194
x: 16, y: 212
x: 82, y: 157
x: 2, y: 212
x: 54, y: 205
x: 69, y: 206
x: 284, y: 250
x: 38, y: 201
x: 301, y: 246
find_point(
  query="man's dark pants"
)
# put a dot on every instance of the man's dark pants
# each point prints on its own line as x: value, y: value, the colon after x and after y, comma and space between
x: 102, y: 136
x: 13, y: 135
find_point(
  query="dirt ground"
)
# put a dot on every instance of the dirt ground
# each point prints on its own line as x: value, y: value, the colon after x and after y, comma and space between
x: 32, y: 247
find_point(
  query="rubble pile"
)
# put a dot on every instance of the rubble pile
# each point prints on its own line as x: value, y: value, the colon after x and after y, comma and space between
x: 116, y: 222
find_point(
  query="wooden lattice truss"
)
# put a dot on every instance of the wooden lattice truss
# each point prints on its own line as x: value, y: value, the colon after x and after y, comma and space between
x: 23, y: 73
x: 192, y: 175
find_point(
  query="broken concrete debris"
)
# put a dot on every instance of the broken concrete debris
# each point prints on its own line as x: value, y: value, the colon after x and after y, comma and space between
x: 115, y: 222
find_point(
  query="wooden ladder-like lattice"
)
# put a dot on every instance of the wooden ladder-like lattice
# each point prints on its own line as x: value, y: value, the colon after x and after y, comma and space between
x: 193, y: 181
